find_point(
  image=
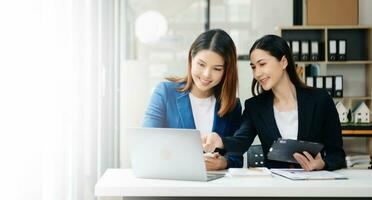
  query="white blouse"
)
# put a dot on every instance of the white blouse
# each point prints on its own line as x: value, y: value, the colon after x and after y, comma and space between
x: 287, y: 123
x: 203, y: 112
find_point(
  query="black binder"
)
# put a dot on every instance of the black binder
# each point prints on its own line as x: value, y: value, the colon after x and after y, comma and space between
x: 319, y: 82
x: 304, y: 50
x: 341, y: 50
x: 338, y: 86
x: 296, y: 50
x: 332, y: 50
x: 328, y: 83
x: 310, y: 81
x: 314, y: 55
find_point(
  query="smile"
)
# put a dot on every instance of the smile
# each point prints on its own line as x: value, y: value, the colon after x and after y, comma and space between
x: 263, y: 81
x: 205, y: 82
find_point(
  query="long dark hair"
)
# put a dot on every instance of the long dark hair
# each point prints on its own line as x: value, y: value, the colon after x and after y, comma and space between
x: 276, y: 47
x: 221, y: 43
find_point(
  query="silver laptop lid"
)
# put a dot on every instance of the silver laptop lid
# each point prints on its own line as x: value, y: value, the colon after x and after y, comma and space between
x: 164, y: 153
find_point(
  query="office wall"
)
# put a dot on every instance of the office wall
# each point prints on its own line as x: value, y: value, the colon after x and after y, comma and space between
x: 263, y: 22
x: 365, y: 16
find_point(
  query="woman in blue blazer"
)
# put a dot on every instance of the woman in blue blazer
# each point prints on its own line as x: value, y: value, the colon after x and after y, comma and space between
x: 206, y: 98
x: 283, y: 107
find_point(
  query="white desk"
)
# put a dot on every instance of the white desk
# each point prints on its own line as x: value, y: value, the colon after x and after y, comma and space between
x: 121, y: 182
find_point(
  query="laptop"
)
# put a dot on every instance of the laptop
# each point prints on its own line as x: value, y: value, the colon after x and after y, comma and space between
x: 164, y: 153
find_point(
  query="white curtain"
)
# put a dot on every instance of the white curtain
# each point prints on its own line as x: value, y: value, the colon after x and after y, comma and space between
x: 59, y: 101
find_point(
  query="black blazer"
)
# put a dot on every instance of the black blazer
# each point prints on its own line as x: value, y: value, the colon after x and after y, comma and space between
x: 318, y: 121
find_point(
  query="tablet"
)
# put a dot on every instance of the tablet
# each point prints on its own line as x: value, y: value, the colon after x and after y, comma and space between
x: 283, y: 149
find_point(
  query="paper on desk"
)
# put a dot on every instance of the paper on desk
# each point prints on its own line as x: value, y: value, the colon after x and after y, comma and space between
x: 300, y: 174
x: 252, y: 171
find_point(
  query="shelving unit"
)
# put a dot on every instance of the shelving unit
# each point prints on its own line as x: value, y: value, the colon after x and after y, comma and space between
x: 358, y: 53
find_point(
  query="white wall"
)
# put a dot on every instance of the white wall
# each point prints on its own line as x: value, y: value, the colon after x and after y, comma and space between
x: 264, y: 21
x: 365, y: 16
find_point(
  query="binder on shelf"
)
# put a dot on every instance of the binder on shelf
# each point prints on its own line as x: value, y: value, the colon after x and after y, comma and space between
x: 304, y: 50
x: 310, y: 81
x: 342, y: 50
x: 314, y: 55
x: 319, y: 82
x: 332, y: 50
x: 329, y: 85
x: 338, y: 86
x: 296, y: 50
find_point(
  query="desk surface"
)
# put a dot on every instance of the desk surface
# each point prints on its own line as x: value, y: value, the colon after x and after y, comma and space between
x: 122, y: 182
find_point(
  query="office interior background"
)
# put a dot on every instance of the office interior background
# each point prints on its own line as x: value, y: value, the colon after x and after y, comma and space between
x: 75, y: 74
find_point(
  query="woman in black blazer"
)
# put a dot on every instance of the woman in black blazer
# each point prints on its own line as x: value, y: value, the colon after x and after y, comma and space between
x: 283, y: 107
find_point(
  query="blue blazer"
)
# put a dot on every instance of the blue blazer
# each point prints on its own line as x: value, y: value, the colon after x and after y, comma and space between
x: 169, y: 108
x: 318, y: 121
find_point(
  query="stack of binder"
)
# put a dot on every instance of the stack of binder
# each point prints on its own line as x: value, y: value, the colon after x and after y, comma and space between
x: 337, y: 50
x: 333, y: 84
x: 304, y: 50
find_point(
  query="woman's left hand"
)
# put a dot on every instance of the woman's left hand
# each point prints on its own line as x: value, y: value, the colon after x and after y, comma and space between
x: 218, y: 162
x: 308, y: 162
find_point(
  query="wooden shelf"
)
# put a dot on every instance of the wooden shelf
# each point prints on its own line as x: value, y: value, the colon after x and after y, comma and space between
x: 309, y: 62
x: 358, y: 52
x: 300, y: 27
x: 351, y: 129
x: 353, y: 98
x: 357, y: 133
x: 358, y: 40
x: 350, y: 62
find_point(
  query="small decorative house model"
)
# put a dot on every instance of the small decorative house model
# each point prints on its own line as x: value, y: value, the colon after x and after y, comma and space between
x: 361, y: 113
x: 342, y: 112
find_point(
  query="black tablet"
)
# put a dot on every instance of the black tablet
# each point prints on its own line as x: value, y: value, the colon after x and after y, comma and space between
x: 283, y: 149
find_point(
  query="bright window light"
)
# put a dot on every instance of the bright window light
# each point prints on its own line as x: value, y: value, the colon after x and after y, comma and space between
x: 150, y: 26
